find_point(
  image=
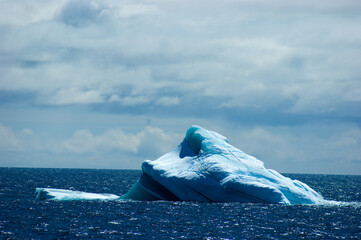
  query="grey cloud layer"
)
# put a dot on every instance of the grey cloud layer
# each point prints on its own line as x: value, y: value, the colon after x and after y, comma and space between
x: 81, y: 52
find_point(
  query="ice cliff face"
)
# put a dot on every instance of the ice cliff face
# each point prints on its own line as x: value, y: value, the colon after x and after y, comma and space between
x: 206, y: 168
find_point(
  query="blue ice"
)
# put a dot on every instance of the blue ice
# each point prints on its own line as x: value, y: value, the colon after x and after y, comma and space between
x: 204, y: 167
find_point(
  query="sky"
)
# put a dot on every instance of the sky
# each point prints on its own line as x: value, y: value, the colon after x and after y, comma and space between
x: 111, y: 83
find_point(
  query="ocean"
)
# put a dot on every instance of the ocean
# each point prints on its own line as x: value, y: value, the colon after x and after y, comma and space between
x: 22, y: 216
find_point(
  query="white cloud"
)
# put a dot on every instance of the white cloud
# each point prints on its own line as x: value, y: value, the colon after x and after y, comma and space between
x: 28, y: 11
x: 114, y: 98
x: 353, y: 94
x: 155, y: 141
x: 130, y: 100
x: 75, y: 96
x: 125, y: 9
x: 83, y: 141
x: 150, y: 142
x: 167, y: 101
x: 142, y: 100
x: 28, y: 131
x: 313, y: 148
x: 323, y: 5
x: 8, y: 140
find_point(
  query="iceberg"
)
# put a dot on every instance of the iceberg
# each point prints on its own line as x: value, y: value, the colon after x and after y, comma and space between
x: 206, y: 168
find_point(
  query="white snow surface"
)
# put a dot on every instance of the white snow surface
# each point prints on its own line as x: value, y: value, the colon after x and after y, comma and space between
x: 205, y: 167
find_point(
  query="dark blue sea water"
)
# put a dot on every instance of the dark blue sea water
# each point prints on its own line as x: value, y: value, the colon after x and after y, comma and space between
x: 24, y: 217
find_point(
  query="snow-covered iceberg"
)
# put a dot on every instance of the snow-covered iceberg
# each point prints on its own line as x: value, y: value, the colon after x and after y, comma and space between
x: 206, y: 168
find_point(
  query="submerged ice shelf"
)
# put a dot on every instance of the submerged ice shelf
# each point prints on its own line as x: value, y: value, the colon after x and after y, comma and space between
x: 64, y: 194
x: 205, y: 168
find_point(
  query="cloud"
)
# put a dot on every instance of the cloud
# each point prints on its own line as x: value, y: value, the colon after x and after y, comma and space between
x: 83, y: 141
x: 299, y: 148
x: 28, y: 11
x: 85, y: 52
x: 143, y: 100
x: 28, y: 131
x: 167, y: 101
x: 130, y: 101
x: 8, y: 140
x: 76, y: 13
x: 75, y: 96
x: 79, y: 13
x: 151, y: 141
x: 154, y: 142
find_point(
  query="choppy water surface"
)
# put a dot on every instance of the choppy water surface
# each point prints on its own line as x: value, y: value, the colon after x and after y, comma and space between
x: 24, y: 217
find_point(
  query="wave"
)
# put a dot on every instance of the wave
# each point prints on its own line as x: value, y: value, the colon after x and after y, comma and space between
x: 332, y: 203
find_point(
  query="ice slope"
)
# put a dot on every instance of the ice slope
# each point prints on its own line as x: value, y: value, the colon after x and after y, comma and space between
x: 206, y: 168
